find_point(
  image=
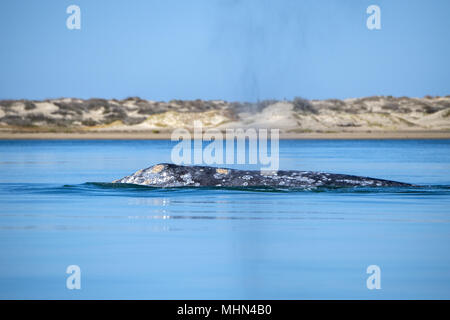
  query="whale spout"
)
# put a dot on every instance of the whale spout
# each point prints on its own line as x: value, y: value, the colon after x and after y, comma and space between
x: 171, y: 175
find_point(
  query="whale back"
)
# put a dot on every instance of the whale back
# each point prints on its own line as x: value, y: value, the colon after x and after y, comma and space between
x: 171, y: 175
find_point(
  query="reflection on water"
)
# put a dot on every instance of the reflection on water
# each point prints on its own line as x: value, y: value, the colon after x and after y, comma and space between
x: 142, y: 242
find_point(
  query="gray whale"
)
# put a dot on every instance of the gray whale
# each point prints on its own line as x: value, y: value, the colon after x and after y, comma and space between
x: 171, y: 175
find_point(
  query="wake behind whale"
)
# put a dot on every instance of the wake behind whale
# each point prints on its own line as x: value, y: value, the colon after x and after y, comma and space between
x: 171, y: 175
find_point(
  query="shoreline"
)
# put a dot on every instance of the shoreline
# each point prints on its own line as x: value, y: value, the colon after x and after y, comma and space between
x: 401, y: 135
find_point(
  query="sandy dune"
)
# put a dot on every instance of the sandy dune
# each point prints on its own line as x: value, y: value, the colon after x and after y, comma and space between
x: 377, y: 114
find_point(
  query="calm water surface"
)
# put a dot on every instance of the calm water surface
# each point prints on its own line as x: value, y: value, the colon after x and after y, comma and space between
x: 146, y: 243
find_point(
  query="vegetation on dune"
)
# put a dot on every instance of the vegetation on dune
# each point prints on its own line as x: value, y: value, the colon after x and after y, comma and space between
x: 77, y: 114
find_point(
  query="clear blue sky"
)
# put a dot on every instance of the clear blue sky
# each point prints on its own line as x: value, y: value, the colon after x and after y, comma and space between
x: 223, y: 49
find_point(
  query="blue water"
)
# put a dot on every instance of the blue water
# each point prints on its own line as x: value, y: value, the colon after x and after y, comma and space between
x: 57, y: 209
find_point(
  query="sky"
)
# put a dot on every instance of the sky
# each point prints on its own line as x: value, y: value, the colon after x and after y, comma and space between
x: 235, y: 50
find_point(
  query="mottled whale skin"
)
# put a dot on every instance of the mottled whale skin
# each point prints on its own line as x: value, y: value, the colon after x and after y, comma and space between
x: 171, y: 175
